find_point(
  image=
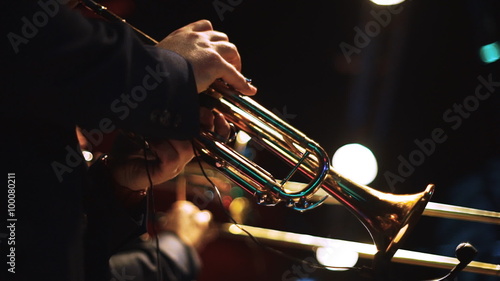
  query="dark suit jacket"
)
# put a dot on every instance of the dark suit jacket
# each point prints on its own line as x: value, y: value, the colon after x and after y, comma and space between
x: 60, y: 70
x: 140, y: 260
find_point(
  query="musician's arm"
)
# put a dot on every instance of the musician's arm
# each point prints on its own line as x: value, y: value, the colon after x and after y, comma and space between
x: 115, y: 227
x: 178, y: 262
x: 109, y: 224
x: 98, y: 75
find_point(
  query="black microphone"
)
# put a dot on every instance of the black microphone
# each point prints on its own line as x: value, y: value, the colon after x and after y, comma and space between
x: 465, y: 253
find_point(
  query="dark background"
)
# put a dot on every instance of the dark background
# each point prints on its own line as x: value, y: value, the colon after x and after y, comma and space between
x: 389, y: 94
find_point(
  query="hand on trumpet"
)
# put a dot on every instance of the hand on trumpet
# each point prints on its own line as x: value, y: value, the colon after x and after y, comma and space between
x: 211, y: 55
x: 166, y: 157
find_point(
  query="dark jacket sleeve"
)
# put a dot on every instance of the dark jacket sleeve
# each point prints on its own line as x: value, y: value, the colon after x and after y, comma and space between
x: 142, y: 259
x: 109, y: 226
x: 96, y: 74
x: 58, y: 70
x: 112, y: 234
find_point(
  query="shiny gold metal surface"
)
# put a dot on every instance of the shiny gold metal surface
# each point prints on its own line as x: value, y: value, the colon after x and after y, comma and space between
x: 364, y: 250
x: 387, y: 217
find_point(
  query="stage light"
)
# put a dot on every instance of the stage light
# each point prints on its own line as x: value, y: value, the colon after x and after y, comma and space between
x: 239, y: 209
x: 337, y: 258
x: 87, y: 155
x: 490, y: 53
x: 387, y: 2
x: 242, y: 137
x: 356, y: 162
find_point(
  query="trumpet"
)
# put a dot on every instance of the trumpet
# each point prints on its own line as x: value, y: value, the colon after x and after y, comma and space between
x: 388, y: 217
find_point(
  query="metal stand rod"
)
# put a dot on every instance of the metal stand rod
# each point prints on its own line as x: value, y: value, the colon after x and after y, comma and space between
x: 364, y: 250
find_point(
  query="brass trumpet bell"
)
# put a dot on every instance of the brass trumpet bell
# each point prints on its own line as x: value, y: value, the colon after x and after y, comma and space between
x: 388, y: 217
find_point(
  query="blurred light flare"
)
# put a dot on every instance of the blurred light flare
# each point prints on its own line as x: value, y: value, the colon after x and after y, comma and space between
x: 490, y: 53
x: 387, y: 2
x: 337, y: 258
x: 356, y: 162
x: 87, y: 155
x: 242, y: 137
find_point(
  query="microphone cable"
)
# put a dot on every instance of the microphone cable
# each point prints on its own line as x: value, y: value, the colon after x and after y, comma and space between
x: 151, y: 210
